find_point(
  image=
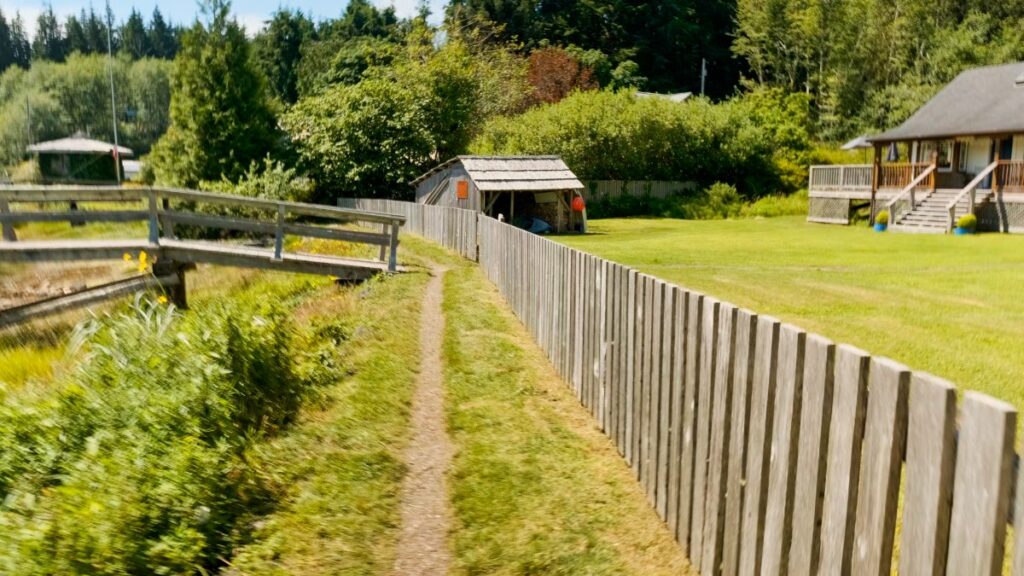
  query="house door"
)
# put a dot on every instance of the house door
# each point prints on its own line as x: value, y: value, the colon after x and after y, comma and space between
x: 1006, y: 148
x: 1002, y: 148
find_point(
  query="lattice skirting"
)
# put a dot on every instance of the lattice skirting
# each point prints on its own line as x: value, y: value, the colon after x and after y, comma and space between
x: 832, y: 210
x: 1001, y: 216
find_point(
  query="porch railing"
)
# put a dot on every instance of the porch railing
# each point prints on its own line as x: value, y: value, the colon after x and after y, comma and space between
x: 1009, y: 176
x: 899, y: 175
x: 840, y: 177
x: 907, y: 198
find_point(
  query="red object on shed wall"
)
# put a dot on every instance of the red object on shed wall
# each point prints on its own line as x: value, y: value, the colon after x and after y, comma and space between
x: 462, y: 189
x: 577, y: 204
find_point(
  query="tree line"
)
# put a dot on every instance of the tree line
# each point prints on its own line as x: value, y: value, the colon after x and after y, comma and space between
x: 85, y: 33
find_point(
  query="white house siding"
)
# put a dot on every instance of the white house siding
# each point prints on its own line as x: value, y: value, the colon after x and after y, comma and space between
x: 1018, y: 148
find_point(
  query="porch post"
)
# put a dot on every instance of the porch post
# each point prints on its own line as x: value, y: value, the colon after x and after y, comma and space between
x: 876, y: 169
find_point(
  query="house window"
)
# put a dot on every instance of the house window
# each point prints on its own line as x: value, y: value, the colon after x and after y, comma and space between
x: 945, y: 153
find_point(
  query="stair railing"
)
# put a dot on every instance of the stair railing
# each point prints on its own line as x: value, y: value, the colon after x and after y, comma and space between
x: 971, y: 191
x: 911, y: 191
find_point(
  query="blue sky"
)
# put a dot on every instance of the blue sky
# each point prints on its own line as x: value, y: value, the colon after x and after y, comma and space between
x: 251, y: 13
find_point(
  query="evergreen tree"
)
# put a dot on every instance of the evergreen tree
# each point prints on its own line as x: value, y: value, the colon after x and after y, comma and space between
x: 20, y: 46
x: 362, y: 18
x: 6, y: 47
x: 162, y: 41
x: 278, y: 50
x: 221, y: 115
x: 95, y: 32
x: 75, y: 34
x: 134, y: 40
x: 49, y: 42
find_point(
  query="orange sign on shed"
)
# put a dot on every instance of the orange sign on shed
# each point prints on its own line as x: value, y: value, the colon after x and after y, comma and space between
x: 462, y: 189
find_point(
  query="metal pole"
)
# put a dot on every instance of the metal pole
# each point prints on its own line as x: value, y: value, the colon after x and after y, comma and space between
x: 113, y: 104
x: 703, y: 74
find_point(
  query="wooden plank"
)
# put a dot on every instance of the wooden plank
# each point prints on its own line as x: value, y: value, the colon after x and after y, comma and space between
x: 646, y: 356
x: 743, y: 363
x: 653, y: 396
x: 782, y: 467
x: 708, y: 343
x: 633, y: 319
x: 678, y: 397
x: 721, y: 427
x: 849, y: 402
x: 878, y: 490
x: 981, y: 486
x: 665, y: 351
x: 762, y: 416
x: 74, y: 215
x: 815, y: 419
x: 931, y: 449
x: 694, y: 319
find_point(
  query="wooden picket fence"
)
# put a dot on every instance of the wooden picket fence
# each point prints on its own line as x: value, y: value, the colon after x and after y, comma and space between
x: 767, y: 449
x: 453, y: 228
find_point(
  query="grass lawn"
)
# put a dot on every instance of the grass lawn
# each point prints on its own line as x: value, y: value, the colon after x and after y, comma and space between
x: 536, y: 487
x: 952, y: 306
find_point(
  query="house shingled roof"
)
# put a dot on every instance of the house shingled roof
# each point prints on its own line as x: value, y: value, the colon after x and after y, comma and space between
x: 513, y: 173
x: 980, y: 101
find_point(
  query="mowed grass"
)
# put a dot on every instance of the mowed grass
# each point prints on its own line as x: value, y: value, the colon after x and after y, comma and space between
x: 952, y: 306
x: 536, y: 488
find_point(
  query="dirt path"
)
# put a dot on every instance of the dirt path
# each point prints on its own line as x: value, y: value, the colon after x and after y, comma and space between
x: 423, y: 542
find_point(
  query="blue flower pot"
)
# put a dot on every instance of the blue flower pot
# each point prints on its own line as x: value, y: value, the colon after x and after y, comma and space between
x: 880, y: 227
x: 962, y: 231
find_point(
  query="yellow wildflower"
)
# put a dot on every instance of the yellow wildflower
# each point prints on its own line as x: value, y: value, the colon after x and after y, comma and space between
x: 162, y: 299
x: 127, y: 257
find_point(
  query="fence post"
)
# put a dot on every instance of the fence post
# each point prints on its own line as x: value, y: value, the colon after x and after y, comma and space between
x: 8, y: 227
x: 154, y: 222
x: 383, y: 247
x: 393, y: 258
x: 279, y: 234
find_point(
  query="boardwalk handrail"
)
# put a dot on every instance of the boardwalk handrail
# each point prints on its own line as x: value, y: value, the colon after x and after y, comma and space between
x: 911, y: 190
x: 162, y: 215
x: 970, y: 190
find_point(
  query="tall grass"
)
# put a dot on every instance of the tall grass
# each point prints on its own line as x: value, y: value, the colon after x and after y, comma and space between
x: 140, y: 462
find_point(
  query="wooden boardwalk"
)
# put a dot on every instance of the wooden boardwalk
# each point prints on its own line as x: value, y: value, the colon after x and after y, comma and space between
x: 170, y: 212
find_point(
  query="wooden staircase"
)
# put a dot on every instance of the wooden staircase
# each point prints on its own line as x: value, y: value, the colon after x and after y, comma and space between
x: 931, y: 215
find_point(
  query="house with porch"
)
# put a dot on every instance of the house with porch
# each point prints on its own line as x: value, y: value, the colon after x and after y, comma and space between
x: 962, y: 152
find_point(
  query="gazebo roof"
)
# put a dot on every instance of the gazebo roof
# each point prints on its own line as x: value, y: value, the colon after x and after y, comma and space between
x: 78, y: 144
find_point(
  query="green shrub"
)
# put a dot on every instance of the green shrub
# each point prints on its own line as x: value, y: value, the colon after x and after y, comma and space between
x: 715, y: 202
x: 777, y: 205
x: 271, y: 181
x: 142, y: 462
x: 882, y: 218
x: 967, y: 222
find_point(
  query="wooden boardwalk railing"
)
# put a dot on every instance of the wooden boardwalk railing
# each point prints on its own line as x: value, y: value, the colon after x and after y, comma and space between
x: 766, y: 449
x: 164, y: 209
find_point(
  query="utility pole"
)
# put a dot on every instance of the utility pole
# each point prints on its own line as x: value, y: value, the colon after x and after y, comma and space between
x: 113, y: 103
x: 703, y: 74
x: 28, y: 116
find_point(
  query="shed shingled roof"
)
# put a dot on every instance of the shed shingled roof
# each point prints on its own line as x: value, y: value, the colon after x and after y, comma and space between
x: 980, y: 101
x: 78, y: 144
x: 512, y: 173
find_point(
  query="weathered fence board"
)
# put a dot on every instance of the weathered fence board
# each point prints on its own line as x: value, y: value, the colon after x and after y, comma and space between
x: 879, y: 487
x: 766, y: 450
x: 815, y: 419
x: 931, y: 447
x: 849, y: 403
x: 981, y: 486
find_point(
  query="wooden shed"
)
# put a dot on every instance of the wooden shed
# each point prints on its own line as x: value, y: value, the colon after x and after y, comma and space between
x: 521, y: 189
x: 80, y: 160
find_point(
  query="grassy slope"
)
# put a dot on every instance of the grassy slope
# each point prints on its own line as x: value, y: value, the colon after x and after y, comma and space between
x: 537, y: 489
x: 953, y: 306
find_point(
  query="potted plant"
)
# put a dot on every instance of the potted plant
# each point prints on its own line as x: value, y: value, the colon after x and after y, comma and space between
x: 966, y: 225
x: 882, y: 221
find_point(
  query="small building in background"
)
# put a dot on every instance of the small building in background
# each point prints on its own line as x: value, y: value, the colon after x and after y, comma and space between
x: 677, y: 97
x: 80, y: 160
x: 537, y: 193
